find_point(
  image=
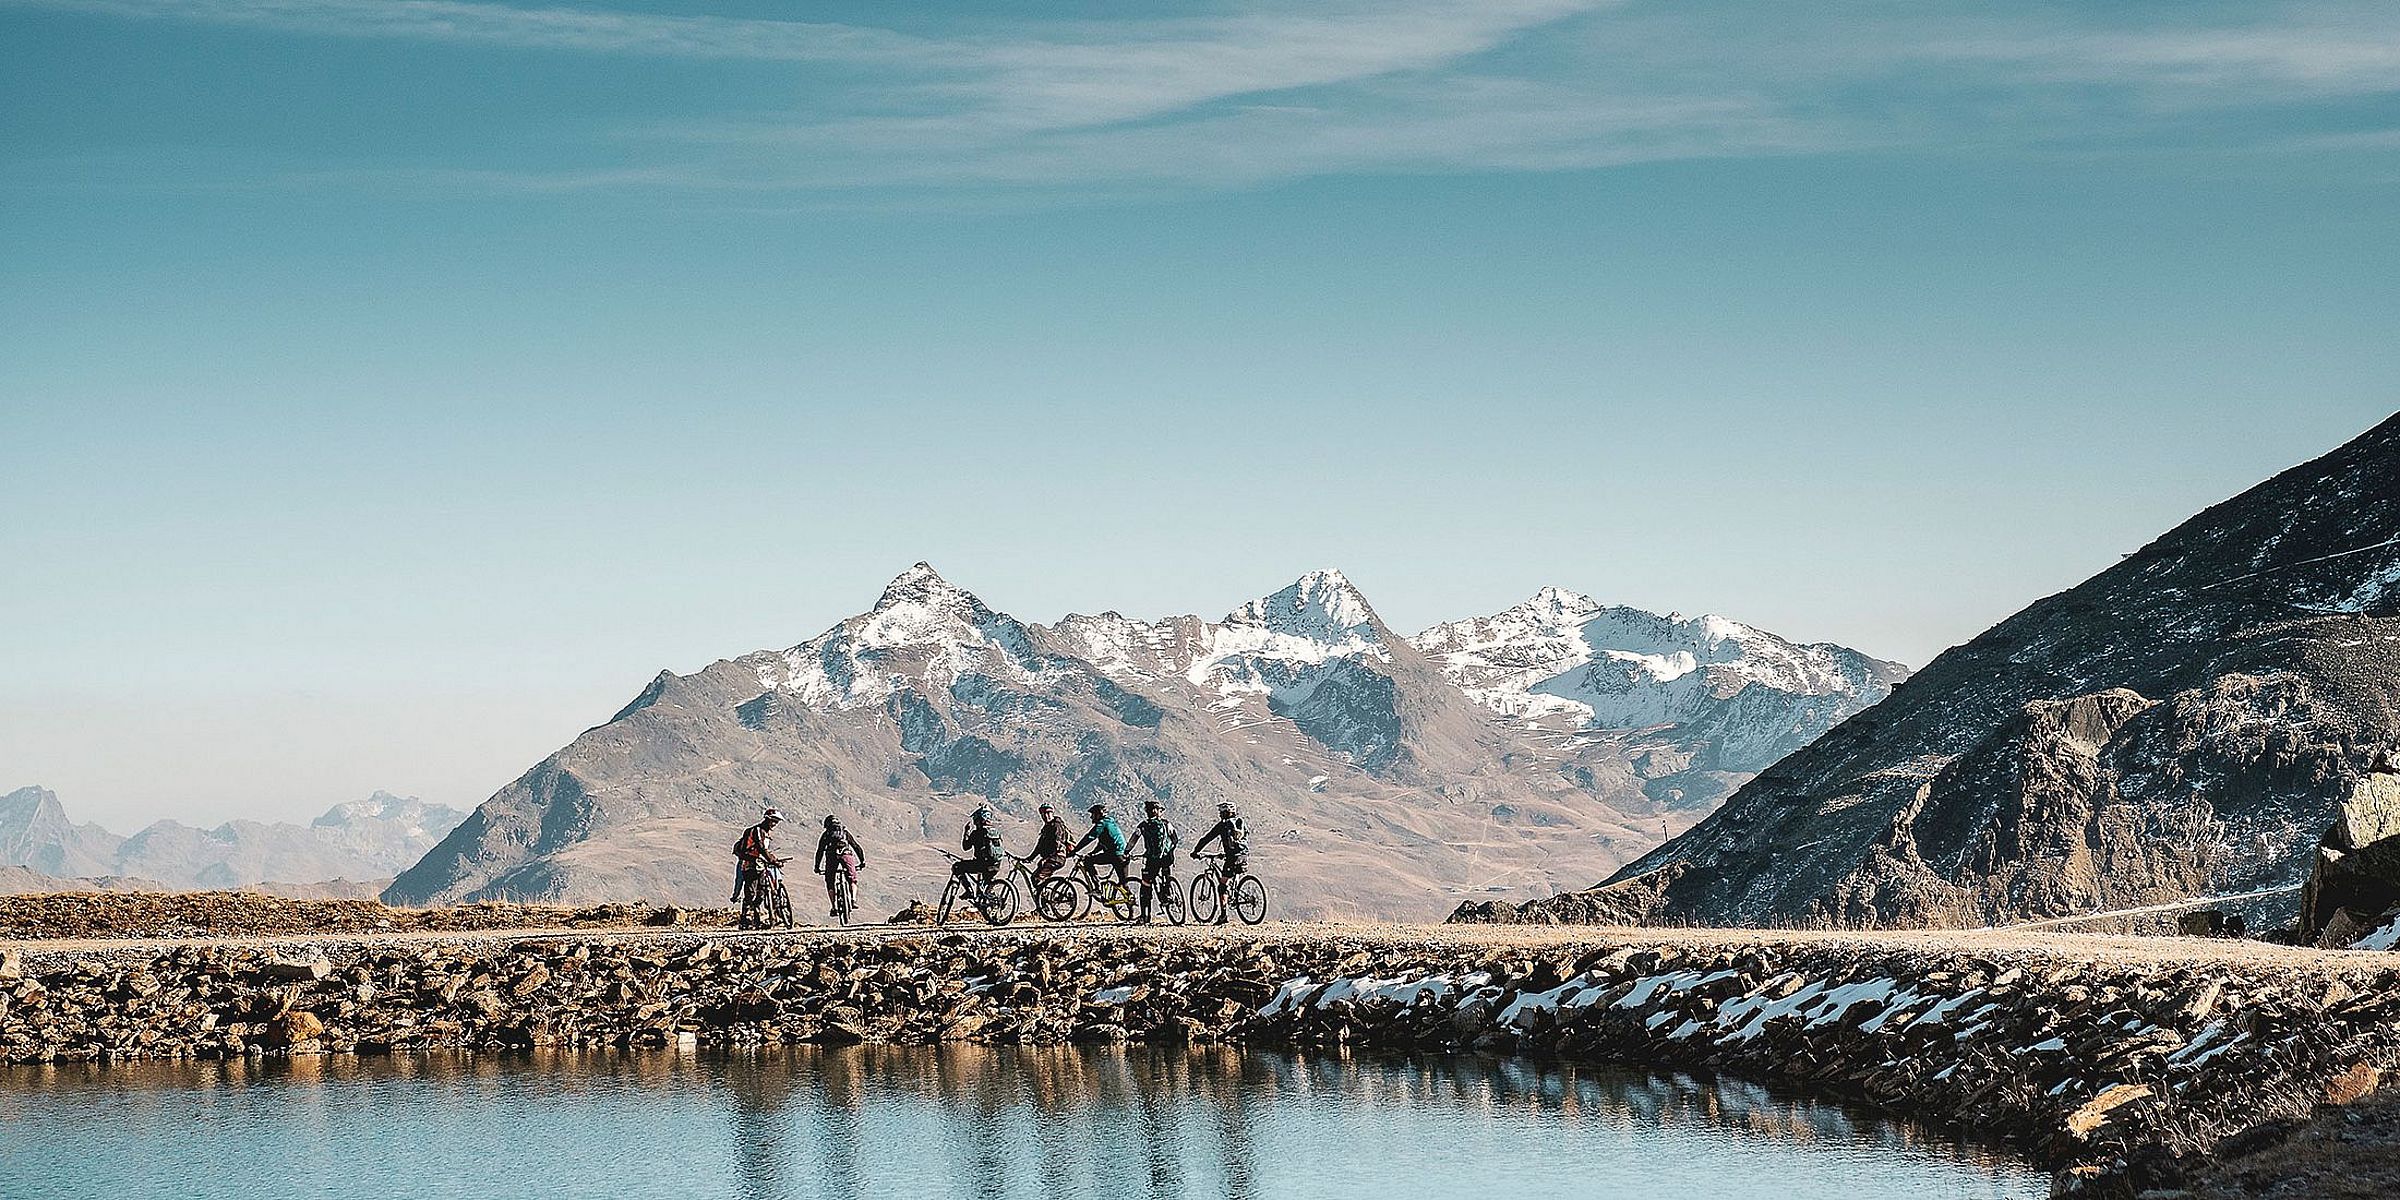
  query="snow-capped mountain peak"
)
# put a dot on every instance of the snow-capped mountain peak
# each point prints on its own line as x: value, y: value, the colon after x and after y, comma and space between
x: 1321, y: 605
x: 1566, y: 656
x: 923, y: 587
x: 923, y: 628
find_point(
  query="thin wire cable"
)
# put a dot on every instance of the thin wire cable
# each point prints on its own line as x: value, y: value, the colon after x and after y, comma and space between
x: 2302, y: 563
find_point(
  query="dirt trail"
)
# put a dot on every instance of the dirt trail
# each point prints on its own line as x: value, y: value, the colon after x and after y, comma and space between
x: 2041, y: 943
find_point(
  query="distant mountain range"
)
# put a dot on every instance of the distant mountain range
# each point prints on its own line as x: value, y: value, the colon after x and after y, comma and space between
x: 1382, y: 775
x: 360, y: 840
x: 2185, y: 724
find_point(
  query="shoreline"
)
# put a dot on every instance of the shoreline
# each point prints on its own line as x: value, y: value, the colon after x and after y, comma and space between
x: 2119, y: 1063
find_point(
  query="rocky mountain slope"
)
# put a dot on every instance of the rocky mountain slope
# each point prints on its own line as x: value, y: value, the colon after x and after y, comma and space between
x: 1374, y: 784
x: 2187, y: 723
x: 360, y: 840
x: 35, y: 833
x: 1697, y: 704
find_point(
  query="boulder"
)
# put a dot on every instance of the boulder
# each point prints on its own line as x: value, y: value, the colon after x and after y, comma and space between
x: 296, y: 1028
x: 297, y: 971
x: 2354, y: 883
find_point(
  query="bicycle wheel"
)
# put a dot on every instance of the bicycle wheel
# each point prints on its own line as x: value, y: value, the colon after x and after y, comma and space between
x: 1250, y: 899
x: 1205, y: 899
x: 1057, y: 899
x: 950, y: 895
x: 1170, y: 900
x: 1120, y: 898
x: 841, y: 897
x: 780, y: 909
x: 998, y: 902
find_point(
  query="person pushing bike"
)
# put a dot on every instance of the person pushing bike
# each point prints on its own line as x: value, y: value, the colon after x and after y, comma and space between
x: 838, y: 855
x: 1155, y: 838
x: 1230, y: 833
x: 753, y: 854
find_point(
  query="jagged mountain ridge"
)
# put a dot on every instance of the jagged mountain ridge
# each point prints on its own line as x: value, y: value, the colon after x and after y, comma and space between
x: 2183, y: 724
x: 1740, y: 698
x: 356, y: 840
x: 1376, y: 782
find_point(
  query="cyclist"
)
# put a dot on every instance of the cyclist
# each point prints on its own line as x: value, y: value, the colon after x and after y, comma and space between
x: 1107, y: 840
x: 1051, y: 849
x: 1236, y: 839
x: 755, y: 852
x: 838, y: 851
x: 1156, y: 838
x: 982, y: 845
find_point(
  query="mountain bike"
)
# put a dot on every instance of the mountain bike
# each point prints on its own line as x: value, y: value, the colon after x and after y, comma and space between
x: 765, y: 902
x: 1168, y: 893
x: 1054, y: 899
x: 995, y: 898
x: 1211, y: 891
x: 1117, y: 894
x: 845, y: 893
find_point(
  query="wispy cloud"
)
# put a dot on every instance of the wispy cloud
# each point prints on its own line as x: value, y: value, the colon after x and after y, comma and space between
x: 1275, y: 92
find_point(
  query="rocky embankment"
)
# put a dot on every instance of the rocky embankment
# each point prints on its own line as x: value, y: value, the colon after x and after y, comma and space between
x: 50, y: 915
x: 2119, y: 1071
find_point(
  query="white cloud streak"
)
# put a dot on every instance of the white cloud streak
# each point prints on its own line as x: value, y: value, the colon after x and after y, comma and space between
x: 1267, y: 93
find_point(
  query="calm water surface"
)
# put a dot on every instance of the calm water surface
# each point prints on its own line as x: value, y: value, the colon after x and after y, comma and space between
x: 961, y: 1121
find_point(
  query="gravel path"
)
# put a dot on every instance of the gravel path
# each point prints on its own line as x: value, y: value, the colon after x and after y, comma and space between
x: 1997, y: 943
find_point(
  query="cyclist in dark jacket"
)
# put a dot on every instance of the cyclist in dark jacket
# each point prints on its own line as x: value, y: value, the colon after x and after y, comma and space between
x: 982, y: 845
x: 753, y: 854
x: 1230, y: 832
x: 838, y: 851
x: 1155, y: 838
x: 1052, y: 848
x: 1107, y: 841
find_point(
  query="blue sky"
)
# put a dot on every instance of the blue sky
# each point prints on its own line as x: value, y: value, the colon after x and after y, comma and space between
x: 386, y: 389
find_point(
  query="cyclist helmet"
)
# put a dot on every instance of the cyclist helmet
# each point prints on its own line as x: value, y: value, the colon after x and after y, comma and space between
x: 1151, y: 807
x: 832, y: 822
x: 1225, y: 809
x: 773, y: 815
x: 983, y: 814
x: 1099, y: 810
x: 1048, y: 811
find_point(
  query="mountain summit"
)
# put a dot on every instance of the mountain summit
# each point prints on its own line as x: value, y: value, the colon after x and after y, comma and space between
x: 2184, y: 724
x: 1377, y: 785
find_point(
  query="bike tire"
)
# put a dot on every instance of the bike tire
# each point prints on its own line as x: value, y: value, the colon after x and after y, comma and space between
x: 950, y: 896
x: 1250, y: 899
x: 1123, y: 902
x: 841, y: 898
x: 781, y: 910
x: 998, y: 903
x: 1057, y: 899
x: 1170, y: 901
x: 1204, y: 899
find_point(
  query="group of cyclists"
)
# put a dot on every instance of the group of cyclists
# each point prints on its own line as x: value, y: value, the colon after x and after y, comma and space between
x: 1109, y: 853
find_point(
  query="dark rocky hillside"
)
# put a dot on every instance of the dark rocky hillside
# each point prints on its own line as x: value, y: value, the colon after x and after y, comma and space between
x: 2186, y: 723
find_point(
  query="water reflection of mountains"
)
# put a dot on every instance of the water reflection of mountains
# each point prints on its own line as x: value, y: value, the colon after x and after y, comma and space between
x: 1153, y: 1122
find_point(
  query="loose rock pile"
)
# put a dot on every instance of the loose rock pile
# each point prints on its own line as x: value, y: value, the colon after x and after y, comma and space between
x: 253, y: 914
x: 2118, y: 1075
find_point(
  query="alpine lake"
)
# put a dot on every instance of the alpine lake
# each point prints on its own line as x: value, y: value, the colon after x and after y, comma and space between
x: 953, y: 1121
